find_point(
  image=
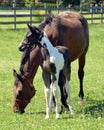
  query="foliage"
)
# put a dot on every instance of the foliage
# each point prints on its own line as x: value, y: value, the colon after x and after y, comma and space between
x: 77, y: 2
x: 72, y: 2
x: 89, y: 116
x: 10, y: 2
x: 21, y: 3
x: 5, y: 2
x: 29, y: 3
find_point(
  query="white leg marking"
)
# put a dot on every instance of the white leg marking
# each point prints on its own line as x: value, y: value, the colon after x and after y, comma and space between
x: 55, y: 93
x: 47, y: 96
x: 67, y: 85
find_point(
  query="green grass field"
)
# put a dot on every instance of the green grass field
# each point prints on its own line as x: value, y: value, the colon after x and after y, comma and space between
x: 89, y: 116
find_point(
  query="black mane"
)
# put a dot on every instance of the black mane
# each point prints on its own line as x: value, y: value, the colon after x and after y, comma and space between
x: 45, y: 22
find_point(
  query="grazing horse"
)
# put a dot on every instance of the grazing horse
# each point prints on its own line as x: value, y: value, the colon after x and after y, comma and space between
x: 68, y: 29
x: 54, y: 59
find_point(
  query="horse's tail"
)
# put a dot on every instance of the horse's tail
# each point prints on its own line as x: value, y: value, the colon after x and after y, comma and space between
x: 86, y: 30
x: 64, y: 95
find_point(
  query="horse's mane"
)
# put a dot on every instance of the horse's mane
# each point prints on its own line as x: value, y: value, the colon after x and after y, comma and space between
x: 46, y: 21
x: 25, y: 58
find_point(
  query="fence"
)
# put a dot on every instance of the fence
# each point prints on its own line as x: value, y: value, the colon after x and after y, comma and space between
x: 19, y: 16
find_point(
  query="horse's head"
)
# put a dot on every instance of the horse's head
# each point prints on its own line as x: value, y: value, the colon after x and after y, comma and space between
x: 23, y: 92
x: 31, y: 38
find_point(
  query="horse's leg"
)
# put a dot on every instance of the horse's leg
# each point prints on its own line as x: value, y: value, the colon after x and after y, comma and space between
x: 47, y: 92
x: 61, y: 83
x: 67, y: 86
x: 81, y: 76
x: 55, y: 93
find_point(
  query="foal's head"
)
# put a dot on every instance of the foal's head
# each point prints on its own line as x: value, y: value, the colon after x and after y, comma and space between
x: 23, y: 92
x: 31, y: 38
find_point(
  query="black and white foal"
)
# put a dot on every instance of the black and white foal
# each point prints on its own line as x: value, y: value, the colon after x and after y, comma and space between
x: 54, y: 59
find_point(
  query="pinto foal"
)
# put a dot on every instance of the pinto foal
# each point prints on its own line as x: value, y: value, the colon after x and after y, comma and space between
x: 54, y: 60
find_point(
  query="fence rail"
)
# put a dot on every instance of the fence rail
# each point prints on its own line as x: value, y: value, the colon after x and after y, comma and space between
x: 32, y: 15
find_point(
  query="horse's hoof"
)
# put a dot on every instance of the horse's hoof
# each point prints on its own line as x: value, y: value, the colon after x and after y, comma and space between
x: 57, y: 116
x: 80, y: 101
x: 64, y: 109
x: 60, y: 110
x: 72, y: 112
x: 47, y: 117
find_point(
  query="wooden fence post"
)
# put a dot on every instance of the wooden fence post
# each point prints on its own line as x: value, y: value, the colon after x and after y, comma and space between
x: 31, y: 15
x: 91, y: 12
x: 57, y: 2
x: 81, y: 8
x: 101, y: 13
x: 45, y: 8
x: 14, y: 17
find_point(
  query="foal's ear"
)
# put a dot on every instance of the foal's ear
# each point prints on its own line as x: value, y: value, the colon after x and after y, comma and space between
x: 31, y: 28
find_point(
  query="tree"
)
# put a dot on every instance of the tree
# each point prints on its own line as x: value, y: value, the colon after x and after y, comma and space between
x: 10, y: 2
x: 29, y: 3
x: 5, y: 2
x: 72, y: 2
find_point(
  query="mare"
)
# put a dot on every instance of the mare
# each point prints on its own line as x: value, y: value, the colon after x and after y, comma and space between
x: 68, y: 29
x: 54, y: 60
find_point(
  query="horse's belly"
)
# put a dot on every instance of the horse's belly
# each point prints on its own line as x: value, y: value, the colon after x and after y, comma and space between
x: 76, y: 44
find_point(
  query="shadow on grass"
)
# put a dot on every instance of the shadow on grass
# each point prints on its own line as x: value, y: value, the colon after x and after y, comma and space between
x: 36, y: 113
x: 96, y: 108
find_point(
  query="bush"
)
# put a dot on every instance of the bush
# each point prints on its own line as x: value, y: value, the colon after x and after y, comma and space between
x: 67, y: 2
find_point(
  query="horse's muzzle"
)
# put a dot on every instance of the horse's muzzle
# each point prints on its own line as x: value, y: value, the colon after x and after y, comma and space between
x: 19, y: 111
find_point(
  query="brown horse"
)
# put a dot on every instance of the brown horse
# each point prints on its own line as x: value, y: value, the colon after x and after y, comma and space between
x: 66, y: 29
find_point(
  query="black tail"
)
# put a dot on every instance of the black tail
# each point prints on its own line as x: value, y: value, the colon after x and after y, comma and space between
x: 61, y: 84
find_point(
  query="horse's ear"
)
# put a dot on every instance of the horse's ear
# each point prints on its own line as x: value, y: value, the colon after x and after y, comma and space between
x: 37, y: 29
x: 31, y: 28
x: 14, y: 73
x: 17, y: 75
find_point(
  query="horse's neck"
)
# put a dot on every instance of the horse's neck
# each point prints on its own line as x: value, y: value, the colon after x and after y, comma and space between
x: 46, y: 41
x: 30, y: 63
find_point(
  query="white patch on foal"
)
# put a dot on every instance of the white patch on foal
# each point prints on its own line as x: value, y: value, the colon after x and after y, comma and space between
x: 55, y: 56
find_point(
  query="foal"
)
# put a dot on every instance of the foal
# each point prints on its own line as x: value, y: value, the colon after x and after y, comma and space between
x: 54, y: 59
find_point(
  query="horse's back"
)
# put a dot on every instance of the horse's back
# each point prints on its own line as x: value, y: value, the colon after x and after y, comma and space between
x: 71, y: 30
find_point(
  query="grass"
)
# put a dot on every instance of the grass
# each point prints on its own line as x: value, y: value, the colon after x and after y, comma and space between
x: 89, y: 116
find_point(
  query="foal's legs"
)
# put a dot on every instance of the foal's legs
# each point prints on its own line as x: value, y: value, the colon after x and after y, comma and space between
x: 47, y: 92
x: 81, y: 76
x: 67, y: 86
x: 55, y: 93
